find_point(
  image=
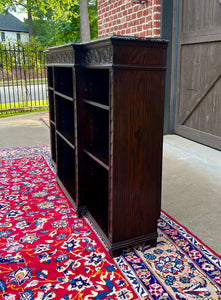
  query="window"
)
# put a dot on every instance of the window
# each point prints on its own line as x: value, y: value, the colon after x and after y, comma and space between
x: 2, y: 36
x: 18, y: 36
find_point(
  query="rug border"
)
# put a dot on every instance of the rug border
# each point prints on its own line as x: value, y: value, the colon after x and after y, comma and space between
x: 199, y: 240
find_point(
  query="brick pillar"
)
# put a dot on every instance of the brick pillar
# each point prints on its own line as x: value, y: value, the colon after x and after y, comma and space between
x: 124, y: 17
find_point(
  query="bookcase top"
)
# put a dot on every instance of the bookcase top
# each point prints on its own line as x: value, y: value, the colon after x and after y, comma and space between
x: 105, y: 51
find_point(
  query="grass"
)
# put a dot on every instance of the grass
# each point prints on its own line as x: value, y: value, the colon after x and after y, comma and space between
x: 19, y: 82
x: 11, y: 114
x: 18, y: 108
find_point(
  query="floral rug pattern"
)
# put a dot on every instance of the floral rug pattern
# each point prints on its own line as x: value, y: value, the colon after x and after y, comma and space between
x: 46, y: 252
x: 180, y: 267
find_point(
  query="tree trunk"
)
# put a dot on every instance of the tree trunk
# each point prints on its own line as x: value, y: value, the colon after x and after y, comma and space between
x: 84, y: 22
x: 30, y: 24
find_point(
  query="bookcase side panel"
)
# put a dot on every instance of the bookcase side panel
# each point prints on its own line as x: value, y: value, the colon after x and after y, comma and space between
x: 137, y: 152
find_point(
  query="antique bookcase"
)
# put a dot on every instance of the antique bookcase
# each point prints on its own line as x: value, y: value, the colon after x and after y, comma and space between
x: 106, y: 133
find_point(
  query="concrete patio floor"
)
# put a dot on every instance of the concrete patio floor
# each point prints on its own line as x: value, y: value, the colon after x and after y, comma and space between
x: 191, y: 182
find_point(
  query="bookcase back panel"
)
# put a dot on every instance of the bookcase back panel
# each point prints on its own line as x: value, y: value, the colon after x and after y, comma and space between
x: 66, y: 165
x: 97, y: 137
x: 96, y: 84
x: 51, y: 105
x: 64, y: 80
x: 53, y: 143
x: 50, y: 77
x: 65, y: 117
x: 96, y: 195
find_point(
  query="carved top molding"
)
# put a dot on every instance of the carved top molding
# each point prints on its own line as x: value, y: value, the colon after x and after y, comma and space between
x: 97, y: 52
x: 96, y: 56
x: 65, y: 56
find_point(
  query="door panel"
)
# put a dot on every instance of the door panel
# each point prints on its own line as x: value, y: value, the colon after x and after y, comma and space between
x: 198, y: 109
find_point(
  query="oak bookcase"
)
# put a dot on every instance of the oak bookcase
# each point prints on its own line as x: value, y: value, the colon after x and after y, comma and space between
x: 106, y: 107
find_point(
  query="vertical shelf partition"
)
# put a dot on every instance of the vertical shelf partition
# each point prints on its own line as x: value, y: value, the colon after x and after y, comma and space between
x: 106, y: 114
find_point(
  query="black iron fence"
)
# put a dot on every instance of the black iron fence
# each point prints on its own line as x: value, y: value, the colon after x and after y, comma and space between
x: 23, y: 78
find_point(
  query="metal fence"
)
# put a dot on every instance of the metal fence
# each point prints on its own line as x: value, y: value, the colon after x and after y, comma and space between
x: 23, y: 79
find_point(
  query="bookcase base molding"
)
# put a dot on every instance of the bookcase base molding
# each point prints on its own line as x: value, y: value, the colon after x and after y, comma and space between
x: 115, y: 249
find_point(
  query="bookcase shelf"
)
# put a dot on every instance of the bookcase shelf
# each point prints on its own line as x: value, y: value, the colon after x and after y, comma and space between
x: 106, y: 101
x: 65, y: 117
x: 96, y: 86
x: 63, y: 77
x: 96, y: 104
x: 96, y: 137
x: 50, y: 77
x: 53, y: 142
x: 51, y: 104
x: 66, y: 165
x: 96, y: 197
x: 100, y: 156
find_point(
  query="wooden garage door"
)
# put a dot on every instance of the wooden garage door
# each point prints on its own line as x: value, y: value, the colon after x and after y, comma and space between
x: 198, y: 108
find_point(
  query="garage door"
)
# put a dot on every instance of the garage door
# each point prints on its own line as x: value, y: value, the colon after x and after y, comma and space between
x: 198, y: 104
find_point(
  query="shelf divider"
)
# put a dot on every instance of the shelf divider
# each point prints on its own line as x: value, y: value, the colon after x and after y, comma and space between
x: 97, y: 159
x: 65, y: 139
x: 94, y: 103
x: 63, y: 96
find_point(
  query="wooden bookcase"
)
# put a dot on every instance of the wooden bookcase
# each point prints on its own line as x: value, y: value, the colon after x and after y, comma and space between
x: 106, y: 100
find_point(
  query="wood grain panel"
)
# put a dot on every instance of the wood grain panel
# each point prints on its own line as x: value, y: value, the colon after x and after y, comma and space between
x: 199, y: 15
x: 206, y: 117
x: 198, y: 107
x: 138, y: 119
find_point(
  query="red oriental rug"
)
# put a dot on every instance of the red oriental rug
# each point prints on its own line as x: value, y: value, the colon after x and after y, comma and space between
x: 46, y: 252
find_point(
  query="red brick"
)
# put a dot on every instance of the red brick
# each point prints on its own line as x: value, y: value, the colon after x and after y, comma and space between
x: 146, y: 26
x: 156, y: 24
x: 142, y: 34
x: 156, y: 32
x: 156, y: 9
x: 142, y: 20
x: 139, y: 14
x: 135, y: 8
x: 134, y: 16
x: 145, y: 12
x: 156, y: 17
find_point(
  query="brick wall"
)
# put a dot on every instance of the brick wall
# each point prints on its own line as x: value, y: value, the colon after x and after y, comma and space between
x: 123, y: 17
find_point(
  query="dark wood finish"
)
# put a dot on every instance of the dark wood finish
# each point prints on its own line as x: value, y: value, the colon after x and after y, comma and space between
x: 137, y: 142
x: 109, y: 147
x: 62, y: 113
x: 198, y: 97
